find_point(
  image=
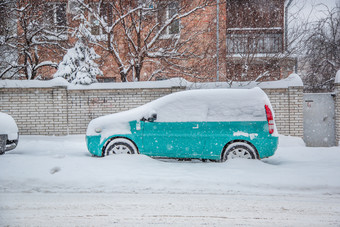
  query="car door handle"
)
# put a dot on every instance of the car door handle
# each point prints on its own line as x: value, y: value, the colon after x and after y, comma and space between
x: 196, y: 127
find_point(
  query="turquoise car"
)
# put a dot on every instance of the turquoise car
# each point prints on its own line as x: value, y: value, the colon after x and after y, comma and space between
x: 214, y: 124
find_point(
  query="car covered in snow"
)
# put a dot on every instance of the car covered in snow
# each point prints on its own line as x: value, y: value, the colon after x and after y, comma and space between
x: 214, y: 124
x: 9, y: 134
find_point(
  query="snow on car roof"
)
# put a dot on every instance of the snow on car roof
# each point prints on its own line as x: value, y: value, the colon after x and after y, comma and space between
x: 190, y: 106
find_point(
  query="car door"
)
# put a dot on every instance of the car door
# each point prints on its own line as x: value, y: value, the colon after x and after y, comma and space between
x: 174, y: 139
x: 178, y: 131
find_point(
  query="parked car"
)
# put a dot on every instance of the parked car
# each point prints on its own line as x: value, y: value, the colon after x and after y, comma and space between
x: 9, y: 135
x: 202, y: 124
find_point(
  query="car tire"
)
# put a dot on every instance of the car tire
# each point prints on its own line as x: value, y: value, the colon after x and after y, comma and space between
x: 239, y: 150
x: 120, y: 146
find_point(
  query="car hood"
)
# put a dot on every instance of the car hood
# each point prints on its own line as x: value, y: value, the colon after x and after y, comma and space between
x: 117, y: 123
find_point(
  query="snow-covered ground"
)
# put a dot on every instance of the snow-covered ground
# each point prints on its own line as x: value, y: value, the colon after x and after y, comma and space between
x: 54, y: 181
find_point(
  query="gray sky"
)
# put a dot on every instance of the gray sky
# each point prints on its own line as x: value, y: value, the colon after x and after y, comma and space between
x: 313, y: 9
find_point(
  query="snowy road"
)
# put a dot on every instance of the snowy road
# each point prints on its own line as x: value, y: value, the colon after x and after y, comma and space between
x: 53, y: 181
x: 168, y: 209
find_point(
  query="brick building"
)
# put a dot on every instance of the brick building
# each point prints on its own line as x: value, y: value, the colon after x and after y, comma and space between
x: 159, y: 39
x: 255, y: 40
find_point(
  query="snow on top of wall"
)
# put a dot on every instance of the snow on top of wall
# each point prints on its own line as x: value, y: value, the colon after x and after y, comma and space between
x: 337, y: 77
x: 33, y: 83
x: 175, y: 82
x: 292, y: 81
x: 57, y: 82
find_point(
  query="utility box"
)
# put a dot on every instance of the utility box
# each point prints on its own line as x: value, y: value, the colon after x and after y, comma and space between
x: 319, y: 120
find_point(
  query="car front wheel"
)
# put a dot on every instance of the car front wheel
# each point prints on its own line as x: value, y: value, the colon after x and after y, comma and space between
x: 239, y: 150
x: 120, y: 146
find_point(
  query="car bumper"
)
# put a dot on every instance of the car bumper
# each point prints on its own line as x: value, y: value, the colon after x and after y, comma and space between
x: 7, y: 145
x: 267, y: 147
x: 94, y: 145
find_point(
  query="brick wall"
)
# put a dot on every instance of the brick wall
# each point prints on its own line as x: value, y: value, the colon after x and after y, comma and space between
x: 62, y: 111
x: 296, y: 101
x: 59, y: 111
x: 84, y: 105
x: 288, y: 108
x: 37, y: 111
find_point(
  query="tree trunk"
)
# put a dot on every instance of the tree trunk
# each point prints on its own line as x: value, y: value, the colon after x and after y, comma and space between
x: 138, y: 70
x: 123, y: 76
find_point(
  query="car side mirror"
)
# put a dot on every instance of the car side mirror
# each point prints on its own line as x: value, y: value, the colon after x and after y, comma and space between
x: 152, y: 118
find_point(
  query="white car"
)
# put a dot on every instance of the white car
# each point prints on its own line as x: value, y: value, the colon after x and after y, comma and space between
x: 9, y: 133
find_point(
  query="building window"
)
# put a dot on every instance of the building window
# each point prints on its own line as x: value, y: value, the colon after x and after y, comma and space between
x: 148, y: 8
x: 250, y: 43
x: 255, y: 13
x: 159, y: 78
x: 95, y: 26
x: 7, y: 19
x: 106, y: 79
x: 74, y: 7
x: 56, y: 16
x: 167, y: 13
x: 173, y: 29
x: 104, y: 11
x: 148, y: 4
x: 3, y: 20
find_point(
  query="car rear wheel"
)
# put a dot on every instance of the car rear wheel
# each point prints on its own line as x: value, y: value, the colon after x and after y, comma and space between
x: 120, y: 146
x: 239, y: 150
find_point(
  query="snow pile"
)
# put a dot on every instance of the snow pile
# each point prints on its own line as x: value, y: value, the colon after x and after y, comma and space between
x: 56, y: 82
x: 8, y: 126
x: 189, y: 106
x: 63, y: 165
x: 293, y: 80
x: 78, y: 66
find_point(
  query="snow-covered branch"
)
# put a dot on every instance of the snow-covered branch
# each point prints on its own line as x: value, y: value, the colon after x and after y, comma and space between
x: 33, y: 30
x: 133, y: 33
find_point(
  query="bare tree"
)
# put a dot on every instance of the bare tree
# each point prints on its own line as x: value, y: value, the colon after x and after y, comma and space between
x: 142, y: 34
x: 322, y: 59
x: 8, y: 55
x: 38, y: 26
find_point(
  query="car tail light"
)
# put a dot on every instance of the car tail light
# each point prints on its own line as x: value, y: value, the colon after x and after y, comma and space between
x: 270, y: 119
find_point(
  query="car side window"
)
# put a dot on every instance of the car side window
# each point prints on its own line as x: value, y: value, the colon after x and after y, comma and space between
x: 235, y: 111
x: 187, y: 109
